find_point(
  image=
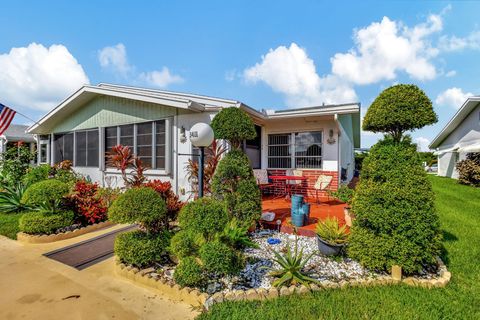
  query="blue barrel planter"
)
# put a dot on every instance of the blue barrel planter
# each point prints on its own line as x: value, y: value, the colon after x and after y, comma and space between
x: 306, y: 212
x: 298, y: 220
x: 297, y: 203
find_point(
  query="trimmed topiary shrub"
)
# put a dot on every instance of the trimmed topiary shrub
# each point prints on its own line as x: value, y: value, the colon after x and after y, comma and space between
x: 185, y: 243
x: 469, y: 170
x: 235, y: 184
x: 398, y: 109
x: 42, y: 222
x: 205, y: 216
x: 234, y: 125
x: 396, y: 221
x: 189, y: 273
x: 37, y: 174
x: 140, y: 205
x: 220, y: 259
x: 47, y: 191
x: 141, y: 249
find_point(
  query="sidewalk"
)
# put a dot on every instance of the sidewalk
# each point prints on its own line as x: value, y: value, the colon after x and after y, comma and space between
x: 35, y: 287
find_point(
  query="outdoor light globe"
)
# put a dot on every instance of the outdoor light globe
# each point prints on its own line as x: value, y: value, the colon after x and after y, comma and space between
x: 201, y: 135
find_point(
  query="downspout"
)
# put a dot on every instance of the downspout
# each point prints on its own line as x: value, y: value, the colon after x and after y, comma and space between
x: 339, y: 171
x: 175, y: 136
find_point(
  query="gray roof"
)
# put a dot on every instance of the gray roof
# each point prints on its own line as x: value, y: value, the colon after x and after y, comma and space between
x: 16, y: 132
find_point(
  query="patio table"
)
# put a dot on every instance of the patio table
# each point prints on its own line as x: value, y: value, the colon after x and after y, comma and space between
x: 283, y: 181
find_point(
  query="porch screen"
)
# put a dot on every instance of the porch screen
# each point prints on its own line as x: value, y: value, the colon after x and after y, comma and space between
x: 295, y: 150
x: 63, y: 147
x: 87, y: 147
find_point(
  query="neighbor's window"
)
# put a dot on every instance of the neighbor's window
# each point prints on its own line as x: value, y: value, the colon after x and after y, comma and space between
x: 295, y: 150
x: 146, y: 140
x: 63, y: 146
x: 87, y: 147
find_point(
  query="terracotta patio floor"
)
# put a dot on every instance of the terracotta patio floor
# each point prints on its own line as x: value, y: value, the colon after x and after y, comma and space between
x: 281, y: 208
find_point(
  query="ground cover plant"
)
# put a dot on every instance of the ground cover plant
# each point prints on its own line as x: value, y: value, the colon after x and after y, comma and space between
x: 458, y: 209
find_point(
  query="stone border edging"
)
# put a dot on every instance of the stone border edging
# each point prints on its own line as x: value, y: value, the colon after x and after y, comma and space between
x: 47, y: 238
x: 198, y: 299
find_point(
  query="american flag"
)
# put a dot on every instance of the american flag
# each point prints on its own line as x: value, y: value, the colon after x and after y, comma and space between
x: 6, y: 117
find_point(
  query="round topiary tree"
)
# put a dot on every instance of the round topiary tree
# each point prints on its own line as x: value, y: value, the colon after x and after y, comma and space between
x: 235, y: 184
x: 140, y: 205
x: 396, y: 222
x: 45, y: 192
x: 189, y: 273
x: 234, y: 125
x: 398, y: 109
x: 220, y: 259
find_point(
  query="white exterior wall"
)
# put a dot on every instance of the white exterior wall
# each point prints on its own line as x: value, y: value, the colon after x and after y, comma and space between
x: 468, y: 132
x: 330, y: 151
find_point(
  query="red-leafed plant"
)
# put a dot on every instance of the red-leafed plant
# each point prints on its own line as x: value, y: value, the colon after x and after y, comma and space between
x: 164, y: 189
x: 87, y: 202
x: 213, y: 155
x: 122, y: 158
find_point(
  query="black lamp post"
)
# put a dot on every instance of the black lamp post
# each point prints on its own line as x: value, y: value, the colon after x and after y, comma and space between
x: 201, y: 136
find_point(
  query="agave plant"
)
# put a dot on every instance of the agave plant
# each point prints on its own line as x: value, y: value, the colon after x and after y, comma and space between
x: 291, y: 266
x: 236, y: 235
x: 50, y: 207
x: 331, y: 231
x: 11, y: 198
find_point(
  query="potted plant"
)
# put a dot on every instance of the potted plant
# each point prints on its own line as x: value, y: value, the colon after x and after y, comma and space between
x: 345, y: 194
x: 331, y: 237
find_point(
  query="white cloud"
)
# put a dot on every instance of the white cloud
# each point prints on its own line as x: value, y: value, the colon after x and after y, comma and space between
x: 451, y: 73
x: 290, y: 71
x: 384, y: 48
x: 37, y: 77
x: 115, y: 59
x: 452, y: 97
x: 454, y: 43
x: 160, y: 79
x: 422, y: 144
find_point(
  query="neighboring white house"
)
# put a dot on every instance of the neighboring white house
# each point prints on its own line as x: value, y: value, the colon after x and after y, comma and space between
x: 459, y: 137
x: 16, y: 133
x: 156, y: 125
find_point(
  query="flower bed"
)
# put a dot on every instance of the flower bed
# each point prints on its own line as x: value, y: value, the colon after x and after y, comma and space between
x: 62, y: 235
x: 254, y: 281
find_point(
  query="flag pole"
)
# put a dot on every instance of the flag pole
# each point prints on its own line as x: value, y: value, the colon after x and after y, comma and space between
x: 28, y: 118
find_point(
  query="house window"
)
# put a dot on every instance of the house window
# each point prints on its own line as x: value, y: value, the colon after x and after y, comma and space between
x: 87, y: 146
x: 147, y: 141
x: 63, y: 146
x: 295, y: 150
x: 43, y: 153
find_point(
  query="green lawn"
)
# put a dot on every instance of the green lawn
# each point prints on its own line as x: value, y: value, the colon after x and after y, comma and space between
x: 9, y: 224
x: 459, y: 210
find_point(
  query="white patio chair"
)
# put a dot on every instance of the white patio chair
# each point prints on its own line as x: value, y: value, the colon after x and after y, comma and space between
x: 322, y: 183
x: 261, y: 175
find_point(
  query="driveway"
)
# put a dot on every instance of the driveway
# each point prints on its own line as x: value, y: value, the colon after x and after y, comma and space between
x: 35, y: 287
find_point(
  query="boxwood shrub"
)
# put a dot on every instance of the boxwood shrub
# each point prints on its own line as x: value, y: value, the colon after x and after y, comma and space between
x: 140, y: 248
x: 46, y: 191
x: 205, y: 216
x: 189, y: 273
x: 185, y: 243
x: 235, y: 184
x: 220, y: 259
x: 140, y: 205
x: 394, y: 204
x: 43, y: 222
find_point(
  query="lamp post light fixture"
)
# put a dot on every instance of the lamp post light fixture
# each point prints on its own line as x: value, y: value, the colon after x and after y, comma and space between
x: 201, y: 136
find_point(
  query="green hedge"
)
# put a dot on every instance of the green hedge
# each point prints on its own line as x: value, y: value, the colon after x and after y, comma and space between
x: 41, y: 222
x: 141, y: 249
x: 205, y: 216
x: 219, y: 258
x: 189, y: 273
x: 140, y: 205
x: 394, y: 204
x: 184, y: 244
x: 46, y: 191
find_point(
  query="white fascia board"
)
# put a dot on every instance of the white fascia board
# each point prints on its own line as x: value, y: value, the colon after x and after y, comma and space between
x: 322, y: 111
x: 456, y: 120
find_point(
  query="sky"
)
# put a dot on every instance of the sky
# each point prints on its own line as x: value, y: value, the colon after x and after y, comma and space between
x: 267, y: 54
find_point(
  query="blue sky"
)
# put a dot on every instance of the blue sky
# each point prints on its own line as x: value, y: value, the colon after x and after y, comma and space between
x: 270, y: 54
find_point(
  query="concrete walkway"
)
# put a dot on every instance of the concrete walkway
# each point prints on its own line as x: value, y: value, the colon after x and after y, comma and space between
x: 35, y: 287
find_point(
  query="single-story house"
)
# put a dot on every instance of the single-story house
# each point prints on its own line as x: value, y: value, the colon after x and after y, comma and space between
x: 459, y: 137
x: 156, y: 124
x: 16, y: 133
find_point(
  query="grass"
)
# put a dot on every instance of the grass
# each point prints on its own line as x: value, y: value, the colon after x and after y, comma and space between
x: 459, y: 210
x: 9, y: 224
